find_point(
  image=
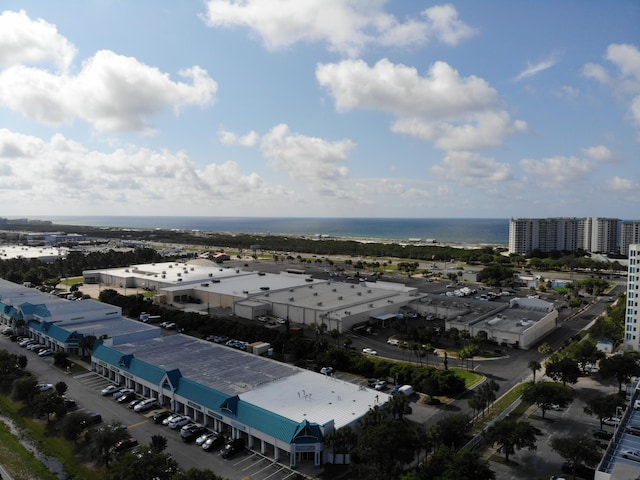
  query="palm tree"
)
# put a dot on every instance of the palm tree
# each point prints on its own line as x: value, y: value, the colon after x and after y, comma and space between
x: 534, y: 366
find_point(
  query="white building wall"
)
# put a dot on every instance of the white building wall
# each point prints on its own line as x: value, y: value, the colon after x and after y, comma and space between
x: 632, y: 318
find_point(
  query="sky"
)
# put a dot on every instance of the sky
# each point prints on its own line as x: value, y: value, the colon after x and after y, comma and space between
x: 320, y: 108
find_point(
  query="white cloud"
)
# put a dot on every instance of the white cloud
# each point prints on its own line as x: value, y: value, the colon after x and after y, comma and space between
x: 626, y: 84
x: 621, y: 184
x: 600, y: 153
x: 312, y: 160
x: 111, y: 92
x: 347, y: 26
x: 471, y: 169
x: 557, y: 171
x: 23, y: 40
x: 62, y: 174
x: 535, y: 68
x: 457, y: 113
x: 230, y: 138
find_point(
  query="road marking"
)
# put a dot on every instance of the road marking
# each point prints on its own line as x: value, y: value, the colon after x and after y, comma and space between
x: 138, y: 424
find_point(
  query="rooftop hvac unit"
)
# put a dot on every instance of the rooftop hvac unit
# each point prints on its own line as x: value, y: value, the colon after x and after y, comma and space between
x: 170, y: 266
x: 334, y: 289
x: 210, y: 274
x: 179, y: 279
x: 340, y: 297
x: 371, y: 305
x: 315, y: 294
x: 359, y: 293
x: 319, y: 304
x: 291, y: 299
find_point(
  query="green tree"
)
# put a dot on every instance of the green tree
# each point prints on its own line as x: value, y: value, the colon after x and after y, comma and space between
x: 158, y: 443
x: 534, y: 366
x: 452, y: 431
x: 620, y: 367
x: 451, y: 464
x: 147, y: 464
x: 72, y: 425
x: 546, y: 394
x: 46, y: 403
x: 562, y: 369
x: 577, y: 450
x: 511, y: 435
x: 584, y: 352
x: 604, y: 406
x: 341, y: 441
x: 102, y: 440
x: 373, y: 459
x: 61, y: 388
x: 24, y: 389
x: 398, y: 405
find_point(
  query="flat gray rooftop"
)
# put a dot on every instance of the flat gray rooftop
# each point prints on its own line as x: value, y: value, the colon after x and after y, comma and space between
x: 286, y: 390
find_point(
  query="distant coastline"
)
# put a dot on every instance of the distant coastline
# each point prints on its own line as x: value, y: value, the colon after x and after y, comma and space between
x: 450, y: 231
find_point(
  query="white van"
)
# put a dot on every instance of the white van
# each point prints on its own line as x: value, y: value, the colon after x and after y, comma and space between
x: 406, y: 390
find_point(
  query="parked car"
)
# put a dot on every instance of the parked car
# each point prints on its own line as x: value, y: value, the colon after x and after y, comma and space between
x: 232, y: 447
x: 145, y: 405
x: 602, y: 435
x: 190, y: 432
x: 44, y: 387
x: 45, y: 353
x: 92, y: 419
x: 110, y: 390
x: 124, y: 391
x: 612, y: 421
x: 161, y: 416
x: 204, y: 437
x: 369, y: 351
x: 212, y: 441
x: 326, y: 370
x: 633, y: 430
x: 179, y: 422
x: 134, y: 403
x: 126, y: 398
x: 124, y: 444
x: 170, y: 418
x: 631, y: 455
x: 69, y: 402
x: 380, y: 385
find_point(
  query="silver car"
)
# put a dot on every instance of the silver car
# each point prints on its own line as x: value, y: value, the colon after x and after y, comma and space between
x: 631, y: 455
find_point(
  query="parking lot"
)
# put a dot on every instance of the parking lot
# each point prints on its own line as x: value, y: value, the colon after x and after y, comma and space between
x: 85, y: 389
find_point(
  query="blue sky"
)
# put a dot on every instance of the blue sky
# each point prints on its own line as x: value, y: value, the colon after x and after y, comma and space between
x: 320, y: 108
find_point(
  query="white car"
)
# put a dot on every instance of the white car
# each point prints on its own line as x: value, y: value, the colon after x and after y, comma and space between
x: 204, y: 437
x: 613, y: 421
x: 326, y: 370
x: 636, y: 405
x: 44, y: 387
x: 45, y: 353
x: 631, y: 455
x: 179, y: 422
x: 170, y: 418
x: 110, y: 390
x: 369, y: 351
x: 145, y: 405
x: 380, y: 385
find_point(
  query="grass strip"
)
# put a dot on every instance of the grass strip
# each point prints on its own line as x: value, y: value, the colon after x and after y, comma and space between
x: 40, y: 435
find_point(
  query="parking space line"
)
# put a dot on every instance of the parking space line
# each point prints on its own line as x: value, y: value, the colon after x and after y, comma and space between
x: 138, y: 424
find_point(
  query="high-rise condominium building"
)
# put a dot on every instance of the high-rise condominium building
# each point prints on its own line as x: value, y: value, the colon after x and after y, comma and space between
x: 570, y: 234
x: 630, y: 234
x: 632, y: 319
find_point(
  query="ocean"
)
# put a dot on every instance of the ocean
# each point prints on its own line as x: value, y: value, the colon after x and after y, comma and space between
x: 494, y: 231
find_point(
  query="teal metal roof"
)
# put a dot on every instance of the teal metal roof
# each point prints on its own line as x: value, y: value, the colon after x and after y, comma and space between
x: 52, y: 330
x: 202, y: 395
x: 271, y: 423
